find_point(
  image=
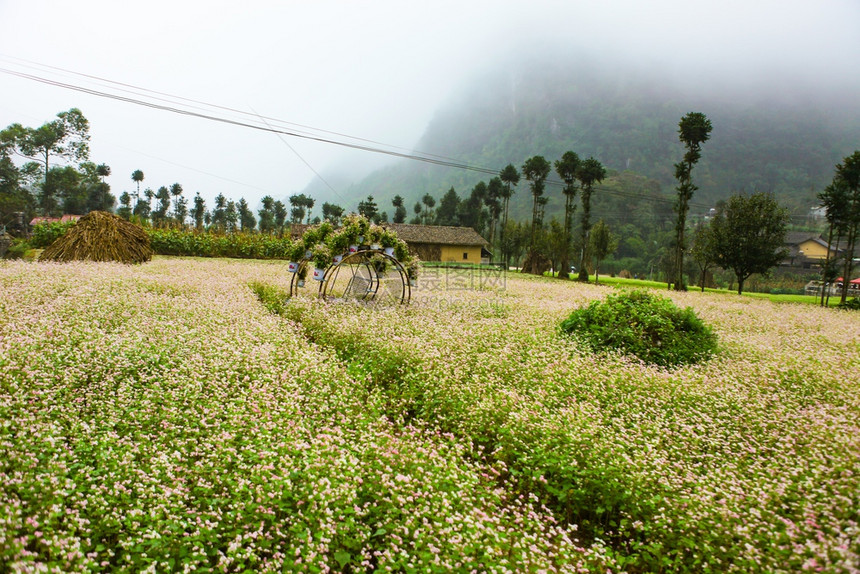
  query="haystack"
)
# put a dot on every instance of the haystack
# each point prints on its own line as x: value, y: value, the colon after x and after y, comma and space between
x: 101, y: 236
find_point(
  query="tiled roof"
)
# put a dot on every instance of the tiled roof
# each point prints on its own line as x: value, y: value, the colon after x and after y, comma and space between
x: 798, y: 237
x: 438, y: 234
x: 410, y: 233
x: 64, y: 219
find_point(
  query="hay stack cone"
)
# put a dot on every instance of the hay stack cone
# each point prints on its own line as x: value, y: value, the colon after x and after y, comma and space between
x: 101, y: 236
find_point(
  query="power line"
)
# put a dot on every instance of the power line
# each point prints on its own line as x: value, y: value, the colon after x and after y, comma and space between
x: 207, y: 116
x: 367, y: 145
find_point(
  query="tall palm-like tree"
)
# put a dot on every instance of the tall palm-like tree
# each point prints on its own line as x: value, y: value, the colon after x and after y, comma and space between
x: 510, y: 177
x: 535, y: 170
x: 137, y: 177
x: 103, y: 170
x: 493, y: 201
x: 589, y: 173
x: 566, y: 169
x: 693, y: 130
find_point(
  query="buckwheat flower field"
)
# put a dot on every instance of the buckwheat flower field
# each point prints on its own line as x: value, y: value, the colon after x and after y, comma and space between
x: 182, y: 416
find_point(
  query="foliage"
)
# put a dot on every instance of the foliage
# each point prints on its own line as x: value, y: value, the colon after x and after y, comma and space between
x: 566, y: 168
x: 703, y: 251
x: 17, y: 249
x: 842, y: 201
x: 693, y: 130
x: 645, y: 325
x: 852, y: 304
x: 748, y: 235
x: 172, y: 241
x: 589, y: 173
x: 325, y: 242
x: 601, y: 243
x: 46, y: 233
x: 321, y: 256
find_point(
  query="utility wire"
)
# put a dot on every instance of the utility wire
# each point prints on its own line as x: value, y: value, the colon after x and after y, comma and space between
x: 264, y: 128
x: 310, y: 167
x: 268, y: 127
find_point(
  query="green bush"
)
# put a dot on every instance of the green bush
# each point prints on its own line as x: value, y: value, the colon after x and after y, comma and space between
x: 206, y: 244
x: 17, y: 249
x: 851, y: 304
x: 648, y: 326
x: 46, y: 233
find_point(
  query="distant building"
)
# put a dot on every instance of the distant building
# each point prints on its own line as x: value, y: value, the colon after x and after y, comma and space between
x: 64, y: 219
x: 443, y: 243
x: 433, y: 242
x: 817, y: 213
x: 808, y: 244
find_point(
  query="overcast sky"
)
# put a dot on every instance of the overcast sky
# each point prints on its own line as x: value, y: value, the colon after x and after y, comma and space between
x: 376, y: 70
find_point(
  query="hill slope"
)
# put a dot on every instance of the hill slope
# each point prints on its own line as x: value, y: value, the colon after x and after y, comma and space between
x: 764, y: 138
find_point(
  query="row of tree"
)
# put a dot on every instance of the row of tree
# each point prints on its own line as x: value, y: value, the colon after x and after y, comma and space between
x: 645, y: 237
x: 77, y: 188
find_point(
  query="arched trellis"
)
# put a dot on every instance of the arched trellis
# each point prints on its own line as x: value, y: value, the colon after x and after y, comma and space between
x: 369, y: 276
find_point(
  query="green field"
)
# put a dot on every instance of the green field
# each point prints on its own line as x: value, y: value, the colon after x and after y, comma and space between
x: 182, y: 416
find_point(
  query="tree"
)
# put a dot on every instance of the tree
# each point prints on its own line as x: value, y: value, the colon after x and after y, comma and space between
x: 552, y: 243
x: 103, y: 170
x: 417, y: 208
x: 159, y: 215
x: 749, y: 235
x: 589, y: 173
x: 332, y: 213
x: 602, y: 243
x: 369, y: 209
x: 848, y: 177
x: 137, y: 177
x: 309, y: 205
x: 703, y: 251
x: 231, y: 217
x: 68, y: 194
x: 566, y: 169
x: 428, y: 216
x: 247, y: 221
x: 267, y: 214
x: 107, y: 201
x: 125, y: 202
x: 693, y: 130
x: 470, y: 212
x: 399, y: 209
x: 198, y: 212
x: 179, y: 203
x: 493, y: 202
x: 515, y: 239
x: 280, y: 215
x: 66, y: 137
x: 300, y: 205
x: 535, y: 170
x: 510, y: 177
x: 219, y: 214
x: 446, y: 213
x: 142, y: 209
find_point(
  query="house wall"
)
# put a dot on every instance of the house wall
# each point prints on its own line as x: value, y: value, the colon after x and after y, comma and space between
x: 455, y: 253
x: 446, y: 253
x: 813, y: 250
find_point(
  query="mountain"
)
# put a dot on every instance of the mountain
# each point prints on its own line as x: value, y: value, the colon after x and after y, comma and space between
x: 767, y: 136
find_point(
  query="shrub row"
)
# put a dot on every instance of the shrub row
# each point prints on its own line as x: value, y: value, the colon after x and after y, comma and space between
x: 205, y: 244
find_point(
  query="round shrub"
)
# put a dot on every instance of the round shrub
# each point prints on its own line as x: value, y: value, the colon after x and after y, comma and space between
x: 643, y: 324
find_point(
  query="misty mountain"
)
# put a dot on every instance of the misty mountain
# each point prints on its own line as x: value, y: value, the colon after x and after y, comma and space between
x: 767, y: 136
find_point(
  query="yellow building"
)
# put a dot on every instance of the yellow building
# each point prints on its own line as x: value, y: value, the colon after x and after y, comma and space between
x: 807, y: 249
x: 438, y: 243
x: 443, y: 243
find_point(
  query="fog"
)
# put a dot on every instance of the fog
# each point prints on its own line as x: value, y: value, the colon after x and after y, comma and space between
x: 377, y: 71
